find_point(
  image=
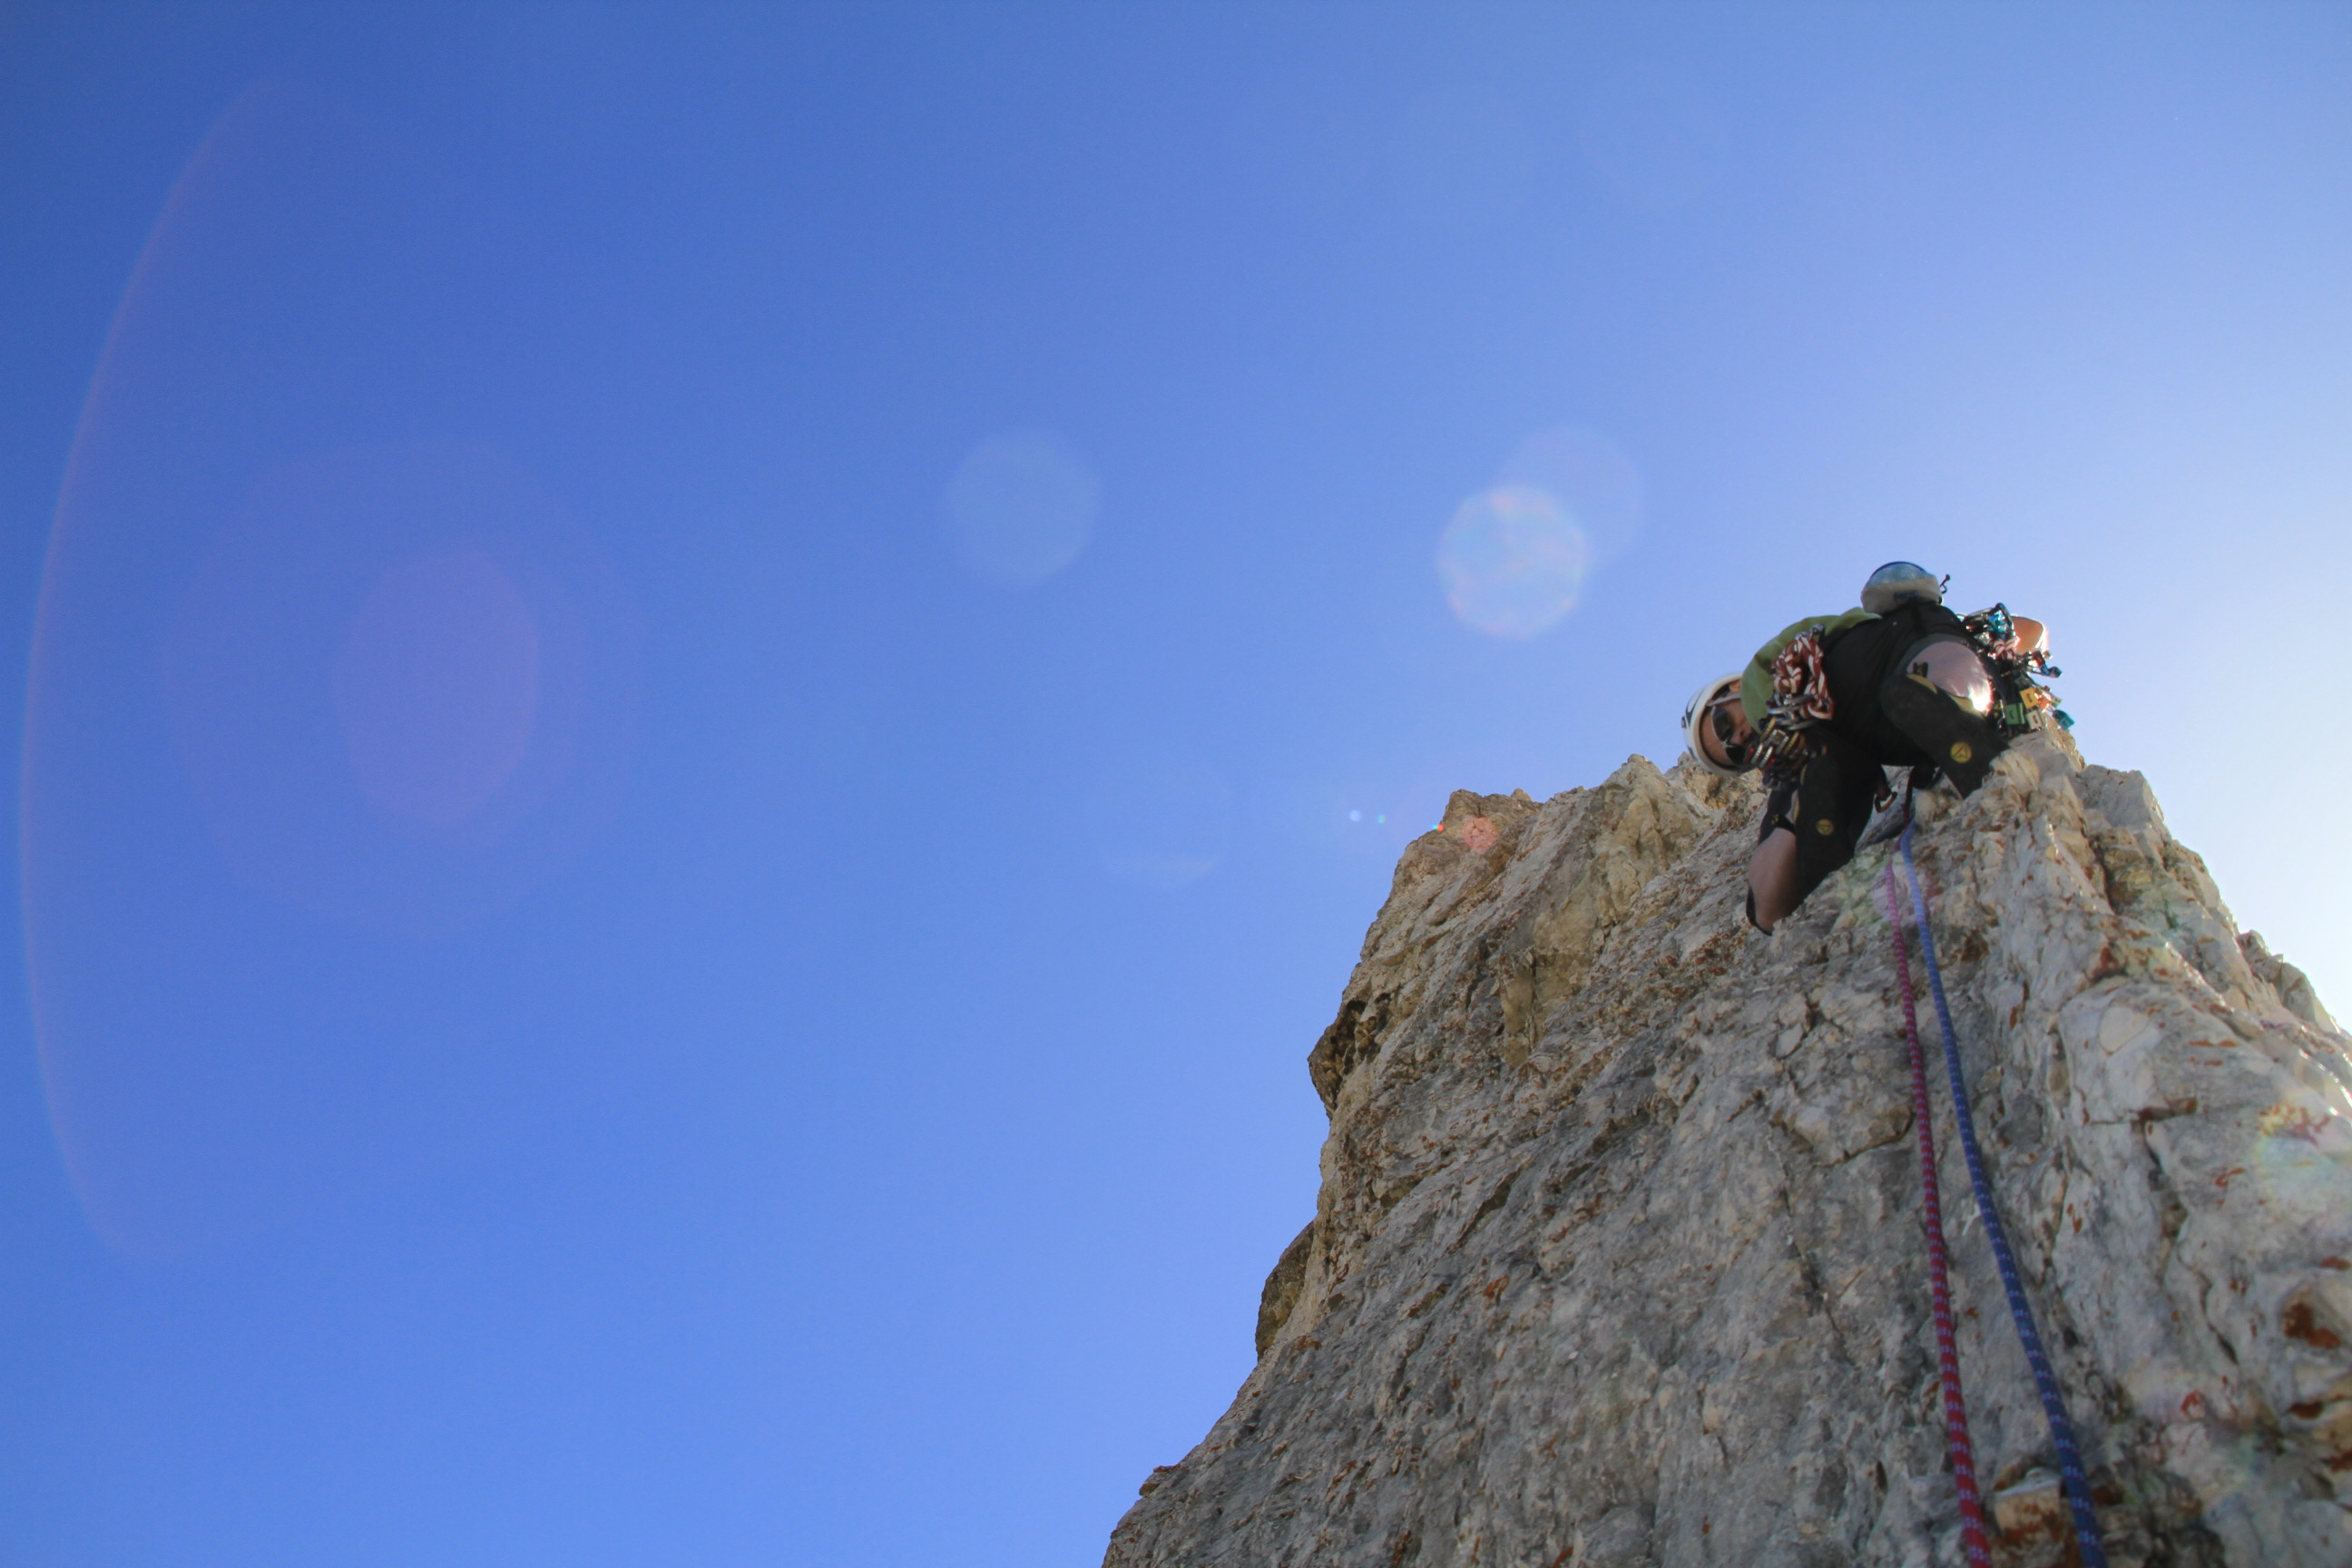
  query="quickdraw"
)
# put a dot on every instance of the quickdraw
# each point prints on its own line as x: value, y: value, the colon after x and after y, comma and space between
x: 2021, y: 1312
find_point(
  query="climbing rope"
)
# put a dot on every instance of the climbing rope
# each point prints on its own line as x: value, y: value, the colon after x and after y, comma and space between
x: 2053, y: 1405
x: 1947, y: 1354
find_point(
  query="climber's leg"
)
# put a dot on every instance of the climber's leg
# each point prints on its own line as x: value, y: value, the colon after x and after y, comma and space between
x: 1809, y: 830
x: 1938, y: 698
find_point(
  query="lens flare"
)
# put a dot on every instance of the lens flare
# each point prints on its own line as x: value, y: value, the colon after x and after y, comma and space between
x: 310, y: 714
x: 437, y: 685
x: 1019, y: 508
x: 400, y: 687
x: 1512, y: 562
x: 1589, y: 477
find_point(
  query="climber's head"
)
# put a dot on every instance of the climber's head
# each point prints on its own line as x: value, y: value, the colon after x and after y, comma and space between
x: 1900, y: 583
x: 1715, y: 725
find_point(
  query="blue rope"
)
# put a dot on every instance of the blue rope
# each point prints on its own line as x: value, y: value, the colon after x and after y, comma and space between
x: 2053, y: 1404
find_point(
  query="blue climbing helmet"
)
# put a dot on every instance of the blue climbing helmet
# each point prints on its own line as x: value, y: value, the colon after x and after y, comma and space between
x: 1900, y: 583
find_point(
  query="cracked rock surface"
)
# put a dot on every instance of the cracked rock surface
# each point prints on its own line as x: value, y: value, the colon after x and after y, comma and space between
x: 1617, y: 1259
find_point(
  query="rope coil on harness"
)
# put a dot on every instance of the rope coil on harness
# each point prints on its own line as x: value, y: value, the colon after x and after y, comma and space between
x: 1948, y: 1355
x: 1801, y: 683
x: 2045, y: 1381
x: 1800, y: 700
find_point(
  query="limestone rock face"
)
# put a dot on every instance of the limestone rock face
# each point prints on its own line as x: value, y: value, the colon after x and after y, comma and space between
x: 1617, y: 1261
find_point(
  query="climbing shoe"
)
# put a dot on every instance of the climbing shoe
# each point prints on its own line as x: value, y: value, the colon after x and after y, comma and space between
x: 1961, y: 744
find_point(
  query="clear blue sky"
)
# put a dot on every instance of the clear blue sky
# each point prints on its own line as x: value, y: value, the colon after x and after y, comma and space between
x: 721, y: 693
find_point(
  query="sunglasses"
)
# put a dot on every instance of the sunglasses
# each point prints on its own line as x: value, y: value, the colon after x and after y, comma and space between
x: 1736, y: 751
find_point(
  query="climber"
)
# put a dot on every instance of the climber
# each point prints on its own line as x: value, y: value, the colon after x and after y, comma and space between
x: 1833, y: 700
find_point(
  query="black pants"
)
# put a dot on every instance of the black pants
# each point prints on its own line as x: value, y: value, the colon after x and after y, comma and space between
x: 1826, y: 804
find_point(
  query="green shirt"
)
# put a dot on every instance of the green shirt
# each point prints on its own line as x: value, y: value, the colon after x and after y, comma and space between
x: 1755, y: 680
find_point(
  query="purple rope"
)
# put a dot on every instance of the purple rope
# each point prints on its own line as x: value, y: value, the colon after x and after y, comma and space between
x: 2053, y: 1404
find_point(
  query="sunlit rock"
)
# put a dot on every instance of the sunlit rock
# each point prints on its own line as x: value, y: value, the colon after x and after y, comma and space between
x: 1617, y: 1259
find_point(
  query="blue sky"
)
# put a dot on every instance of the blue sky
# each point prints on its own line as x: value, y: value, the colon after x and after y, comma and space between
x: 714, y: 697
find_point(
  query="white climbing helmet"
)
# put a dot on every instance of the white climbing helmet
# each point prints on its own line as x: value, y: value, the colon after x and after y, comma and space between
x: 1702, y: 704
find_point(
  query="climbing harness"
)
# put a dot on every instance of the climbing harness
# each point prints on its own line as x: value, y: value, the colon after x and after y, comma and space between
x: 1947, y: 1354
x: 2020, y: 698
x: 2053, y: 1404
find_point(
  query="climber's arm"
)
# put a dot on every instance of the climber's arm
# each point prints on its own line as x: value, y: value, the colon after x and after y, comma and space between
x: 2033, y: 637
x: 1772, y: 878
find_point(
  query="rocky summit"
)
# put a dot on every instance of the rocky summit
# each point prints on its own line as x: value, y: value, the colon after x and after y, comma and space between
x: 1618, y: 1256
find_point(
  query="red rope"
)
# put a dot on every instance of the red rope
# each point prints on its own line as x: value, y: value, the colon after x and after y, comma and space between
x: 1948, y: 1355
